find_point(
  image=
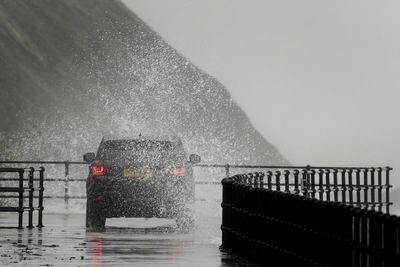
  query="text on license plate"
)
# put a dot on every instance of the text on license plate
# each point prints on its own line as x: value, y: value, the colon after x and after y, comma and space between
x: 134, y: 173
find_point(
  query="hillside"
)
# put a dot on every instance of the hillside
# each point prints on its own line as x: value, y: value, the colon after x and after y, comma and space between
x: 73, y: 71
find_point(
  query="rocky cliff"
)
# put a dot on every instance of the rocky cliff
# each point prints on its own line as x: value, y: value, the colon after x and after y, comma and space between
x: 72, y: 71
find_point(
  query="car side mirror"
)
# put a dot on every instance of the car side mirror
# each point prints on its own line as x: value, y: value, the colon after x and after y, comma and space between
x: 89, y: 157
x: 193, y: 158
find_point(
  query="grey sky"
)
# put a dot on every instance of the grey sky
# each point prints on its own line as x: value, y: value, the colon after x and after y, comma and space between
x: 319, y: 79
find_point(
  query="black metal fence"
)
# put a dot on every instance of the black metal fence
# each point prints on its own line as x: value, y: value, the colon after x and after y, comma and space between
x: 62, y: 176
x: 66, y: 173
x: 21, y: 189
x: 265, y: 222
x: 363, y: 187
x: 70, y: 172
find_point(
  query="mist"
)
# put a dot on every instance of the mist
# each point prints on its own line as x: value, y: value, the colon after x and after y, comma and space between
x: 318, y: 79
x: 139, y: 115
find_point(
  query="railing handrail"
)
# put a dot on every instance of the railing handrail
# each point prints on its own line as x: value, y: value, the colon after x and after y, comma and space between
x: 206, y: 165
x: 12, y: 169
x: 307, y: 172
x: 41, y: 162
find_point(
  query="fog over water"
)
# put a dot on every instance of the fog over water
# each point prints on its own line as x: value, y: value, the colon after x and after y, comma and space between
x: 318, y: 79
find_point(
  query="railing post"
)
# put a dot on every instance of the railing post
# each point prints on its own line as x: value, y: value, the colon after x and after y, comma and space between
x: 227, y: 170
x: 256, y: 180
x: 278, y: 180
x: 41, y: 189
x: 21, y: 200
x: 327, y: 185
x: 343, y: 187
x: 296, y: 182
x: 373, y: 188
x: 304, y: 182
x: 66, y: 184
x: 358, y: 188
x: 250, y: 177
x: 366, y: 204
x: 269, y: 180
x: 287, y: 173
x: 380, y: 189
x: 261, y: 174
x: 335, y: 186
x: 312, y: 178
x: 350, y: 188
x: 387, y: 185
x: 227, y: 220
x: 30, y: 206
x: 321, y: 184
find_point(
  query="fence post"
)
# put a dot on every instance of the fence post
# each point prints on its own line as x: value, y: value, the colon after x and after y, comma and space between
x: 261, y: 174
x: 278, y: 180
x: 358, y: 188
x: 387, y: 185
x: 296, y: 182
x: 21, y: 199
x: 312, y: 178
x: 379, y: 189
x: 327, y: 186
x: 304, y: 182
x: 321, y: 184
x: 227, y: 222
x: 366, y: 204
x: 343, y: 185
x: 30, y: 206
x: 287, y: 173
x: 350, y: 188
x: 335, y: 186
x: 269, y: 180
x: 41, y: 189
x: 373, y: 188
x: 227, y: 170
x: 66, y: 184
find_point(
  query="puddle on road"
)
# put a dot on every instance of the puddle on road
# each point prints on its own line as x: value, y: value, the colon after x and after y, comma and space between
x: 127, y: 242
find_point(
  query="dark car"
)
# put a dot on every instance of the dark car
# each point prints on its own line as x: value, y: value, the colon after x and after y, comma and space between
x: 139, y: 177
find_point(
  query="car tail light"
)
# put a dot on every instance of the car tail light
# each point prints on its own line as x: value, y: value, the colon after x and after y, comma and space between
x: 98, y: 169
x: 180, y: 171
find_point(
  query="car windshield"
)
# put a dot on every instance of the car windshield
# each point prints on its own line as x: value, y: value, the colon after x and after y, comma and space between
x: 142, y: 152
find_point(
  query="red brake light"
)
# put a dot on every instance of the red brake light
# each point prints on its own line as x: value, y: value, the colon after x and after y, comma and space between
x: 179, y: 171
x: 98, y: 170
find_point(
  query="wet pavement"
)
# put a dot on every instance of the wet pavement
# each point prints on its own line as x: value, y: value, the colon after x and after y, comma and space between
x: 126, y: 242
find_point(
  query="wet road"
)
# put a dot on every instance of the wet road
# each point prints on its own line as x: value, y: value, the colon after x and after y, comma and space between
x: 126, y: 242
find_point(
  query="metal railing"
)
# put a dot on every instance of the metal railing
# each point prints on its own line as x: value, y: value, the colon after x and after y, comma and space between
x: 67, y: 180
x: 264, y: 225
x: 363, y: 187
x: 21, y: 189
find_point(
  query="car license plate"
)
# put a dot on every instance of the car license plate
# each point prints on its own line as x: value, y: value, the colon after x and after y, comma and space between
x: 135, y: 173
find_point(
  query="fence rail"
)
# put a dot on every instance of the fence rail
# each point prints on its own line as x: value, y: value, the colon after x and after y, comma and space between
x: 364, y: 187
x: 264, y: 225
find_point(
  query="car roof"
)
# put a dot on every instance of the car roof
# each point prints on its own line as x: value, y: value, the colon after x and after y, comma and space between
x: 170, y: 138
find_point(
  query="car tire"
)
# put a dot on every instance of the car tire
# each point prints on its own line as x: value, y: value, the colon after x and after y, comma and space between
x: 95, y: 218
